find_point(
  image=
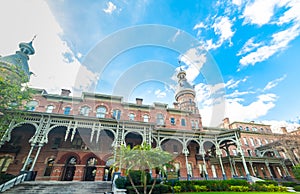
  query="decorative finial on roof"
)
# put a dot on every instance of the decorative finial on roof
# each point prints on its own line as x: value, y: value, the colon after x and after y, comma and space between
x: 33, y: 38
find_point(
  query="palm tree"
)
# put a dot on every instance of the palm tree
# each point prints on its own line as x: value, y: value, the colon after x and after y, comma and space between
x: 144, y: 158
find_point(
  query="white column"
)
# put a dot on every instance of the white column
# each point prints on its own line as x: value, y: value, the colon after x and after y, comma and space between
x: 36, y: 157
x: 28, y: 156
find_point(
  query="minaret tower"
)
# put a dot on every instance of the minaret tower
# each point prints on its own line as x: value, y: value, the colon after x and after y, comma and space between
x: 185, y: 97
x: 12, y: 66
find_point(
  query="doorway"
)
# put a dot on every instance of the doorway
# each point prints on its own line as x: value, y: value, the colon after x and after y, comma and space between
x: 90, y: 169
x: 69, y: 169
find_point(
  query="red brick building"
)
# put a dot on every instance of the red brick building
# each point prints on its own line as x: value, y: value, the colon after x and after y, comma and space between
x: 75, y: 138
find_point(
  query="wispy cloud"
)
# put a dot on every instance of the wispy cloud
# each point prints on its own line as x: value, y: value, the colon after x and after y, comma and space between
x: 160, y: 94
x: 279, y: 42
x: 223, y: 28
x: 249, y: 46
x: 231, y: 84
x: 276, y: 125
x: 194, y: 59
x: 274, y: 83
x: 260, y: 12
x: 110, y: 8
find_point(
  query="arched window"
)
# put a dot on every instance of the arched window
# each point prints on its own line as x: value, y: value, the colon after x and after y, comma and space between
x: 100, y: 112
x: 85, y: 110
x: 4, y: 163
x: 131, y: 117
x: 67, y: 110
x: 31, y: 105
x: 49, y: 167
x: 146, y: 118
x: 49, y: 109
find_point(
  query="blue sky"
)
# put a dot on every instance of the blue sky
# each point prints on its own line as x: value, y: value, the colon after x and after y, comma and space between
x: 242, y: 56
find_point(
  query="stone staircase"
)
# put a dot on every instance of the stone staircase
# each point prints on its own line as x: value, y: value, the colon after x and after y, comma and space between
x: 59, y: 187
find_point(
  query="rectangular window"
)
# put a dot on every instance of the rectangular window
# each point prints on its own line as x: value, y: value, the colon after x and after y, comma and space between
x: 160, y: 119
x: 67, y: 110
x: 172, y: 120
x: 252, y: 141
x: 117, y: 114
x: 245, y: 141
x: 182, y: 122
x: 193, y: 124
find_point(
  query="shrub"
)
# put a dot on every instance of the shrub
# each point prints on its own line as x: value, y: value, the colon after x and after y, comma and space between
x: 156, y: 190
x: 6, y: 177
x: 121, y: 182
x: 267, y: 182
x: 282, y: 189
x: 239, y: 188
x: 297, y: 188
x: 177, y: 189
x: 136, y: 177
x: 288, y: 184
x: 200, y: 188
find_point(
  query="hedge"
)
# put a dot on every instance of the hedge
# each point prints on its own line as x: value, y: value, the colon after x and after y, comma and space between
x: 160, y: 188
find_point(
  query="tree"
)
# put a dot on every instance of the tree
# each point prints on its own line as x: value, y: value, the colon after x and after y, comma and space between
x: 296, y: 171
x: 144, y: 158
x: 12, y: 96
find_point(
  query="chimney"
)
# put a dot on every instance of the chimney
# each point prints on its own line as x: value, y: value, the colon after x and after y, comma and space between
x: 226, y: 123
x: 176, y: 105
x: 283, y: 129
x: 139, y: 101
x: 65, y: 92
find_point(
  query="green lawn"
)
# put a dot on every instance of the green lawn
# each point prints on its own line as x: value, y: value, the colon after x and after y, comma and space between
x: 227, y: 192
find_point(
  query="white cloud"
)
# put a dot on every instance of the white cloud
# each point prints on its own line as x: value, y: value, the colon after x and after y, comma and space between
x: 214, y: 105
x: 280, y: 41
x: 237, y: 93
x: 199, y: 25
x: 52, y: 70
x: 249, y: 46
x: 276, y: 125
x: 110, y: 8
x: 237, y: 2
x: 274, y: 83
x: 194, y: 58
x: 260, y: 12
x: 291, y: 14
x: 160, y: 94
x: 231, y: 84
x: 223, y: 28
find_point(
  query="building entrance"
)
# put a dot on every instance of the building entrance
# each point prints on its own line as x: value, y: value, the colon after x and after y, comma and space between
x: 69, y: 169
x: 90, y: 169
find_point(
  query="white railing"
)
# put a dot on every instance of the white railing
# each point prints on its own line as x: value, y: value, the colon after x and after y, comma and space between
x: 15, y: 181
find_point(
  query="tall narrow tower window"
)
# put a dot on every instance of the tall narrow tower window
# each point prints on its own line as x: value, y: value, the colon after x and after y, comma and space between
x: 160, y: 119
x: 116, y: 114
x: 183, y: 122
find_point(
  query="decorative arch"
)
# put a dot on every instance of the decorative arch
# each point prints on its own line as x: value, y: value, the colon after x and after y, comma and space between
x: 8, y: 135
x: 92, y: 155
x: 134, y: 133
x: 63, y: 159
